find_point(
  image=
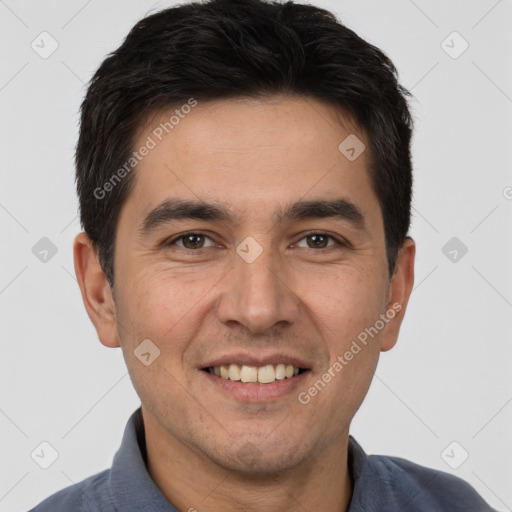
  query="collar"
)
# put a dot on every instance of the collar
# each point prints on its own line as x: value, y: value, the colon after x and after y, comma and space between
x: 132, y: 488
x: 130, y: 484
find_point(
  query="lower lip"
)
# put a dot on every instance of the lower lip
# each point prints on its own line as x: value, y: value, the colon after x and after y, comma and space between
x: 254, y: 392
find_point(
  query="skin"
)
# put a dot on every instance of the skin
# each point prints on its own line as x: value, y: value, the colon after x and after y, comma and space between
x: 206, y: 449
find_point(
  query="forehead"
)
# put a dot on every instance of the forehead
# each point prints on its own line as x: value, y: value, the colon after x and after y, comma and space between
x: 252, y: 154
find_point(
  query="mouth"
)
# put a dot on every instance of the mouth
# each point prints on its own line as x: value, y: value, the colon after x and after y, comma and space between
x: 246, y: 374
x: 256, y: 383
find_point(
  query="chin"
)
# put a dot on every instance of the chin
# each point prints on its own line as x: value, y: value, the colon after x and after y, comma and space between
x: 260, y: 457
x: 259, y: 466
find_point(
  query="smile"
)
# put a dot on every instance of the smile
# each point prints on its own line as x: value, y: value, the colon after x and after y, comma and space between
x: 266, y: 374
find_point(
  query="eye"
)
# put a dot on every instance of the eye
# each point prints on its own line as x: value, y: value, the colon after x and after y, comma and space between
x: 320, y: 240
x: 196, y: 241
x: 190, y: 241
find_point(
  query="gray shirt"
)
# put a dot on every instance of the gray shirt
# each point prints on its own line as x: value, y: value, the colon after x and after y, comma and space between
x: 381, y: 484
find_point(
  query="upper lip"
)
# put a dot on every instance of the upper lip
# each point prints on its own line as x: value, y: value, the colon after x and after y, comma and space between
x: 247, y: 359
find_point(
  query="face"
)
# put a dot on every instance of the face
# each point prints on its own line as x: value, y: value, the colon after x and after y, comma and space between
x: 286, y: 267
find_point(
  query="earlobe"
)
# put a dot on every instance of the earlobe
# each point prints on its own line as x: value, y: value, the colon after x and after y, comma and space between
x: 95, y: 290
x: 399, y: 292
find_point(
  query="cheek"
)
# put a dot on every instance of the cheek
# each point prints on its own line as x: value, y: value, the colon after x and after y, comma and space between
x: 165, y: 306
x: 348, y: 309
x: 163, y: 309
x: 345, y: 303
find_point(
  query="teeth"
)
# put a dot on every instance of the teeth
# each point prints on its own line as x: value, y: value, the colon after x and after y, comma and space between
x: 280, y: 371
x: 224, y: 371
x: 263, y: 375
x: 234, y: 372
x: 267, y: 374
x: 248, y: 374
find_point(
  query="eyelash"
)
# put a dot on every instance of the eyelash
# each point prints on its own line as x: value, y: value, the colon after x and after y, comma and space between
x: 184, y: 235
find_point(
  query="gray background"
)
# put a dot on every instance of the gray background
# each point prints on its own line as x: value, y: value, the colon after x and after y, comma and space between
x: 448, y: 378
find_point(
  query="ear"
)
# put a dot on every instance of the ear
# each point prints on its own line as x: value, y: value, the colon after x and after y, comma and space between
x: 400, y: 290
x: 95, y: 290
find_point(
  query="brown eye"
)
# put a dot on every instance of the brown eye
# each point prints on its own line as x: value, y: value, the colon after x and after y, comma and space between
x: 319, y: 241
x: 191, y: 241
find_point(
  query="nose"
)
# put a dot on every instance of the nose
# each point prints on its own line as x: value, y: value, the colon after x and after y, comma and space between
x: 258, y: 295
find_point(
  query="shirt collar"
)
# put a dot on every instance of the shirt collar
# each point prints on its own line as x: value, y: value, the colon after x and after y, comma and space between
x: 132, y: 488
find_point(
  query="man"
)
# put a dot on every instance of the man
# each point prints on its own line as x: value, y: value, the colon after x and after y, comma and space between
x: 244, y: 177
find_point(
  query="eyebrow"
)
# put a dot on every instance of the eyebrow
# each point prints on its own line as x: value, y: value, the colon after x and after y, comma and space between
x: 178, y: 209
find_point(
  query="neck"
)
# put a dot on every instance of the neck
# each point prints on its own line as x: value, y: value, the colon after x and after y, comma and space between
x: 193, y: 483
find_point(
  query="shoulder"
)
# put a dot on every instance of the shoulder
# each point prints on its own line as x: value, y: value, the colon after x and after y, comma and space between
x: 89, y: 495
x: 426, y: 488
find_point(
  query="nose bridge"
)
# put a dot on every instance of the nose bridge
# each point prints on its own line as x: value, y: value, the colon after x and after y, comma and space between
x: 257, y: 296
